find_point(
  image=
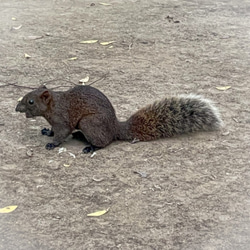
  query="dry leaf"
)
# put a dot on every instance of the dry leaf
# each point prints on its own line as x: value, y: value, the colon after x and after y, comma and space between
x: 225, y: 133
x: 94, y: 153
x: 84, y: 80
x: 106, y: 43
x: 105, y: 4
x: 7, y: 209
x: 34, y: 37
x: 89, y: 41
x: 17, y: 28
x: 223, y: 87
x: 97, y: 179
x: 66, y: 165
x: 20, y: 99
x: 72, y: 58
x: 71, y: 154
x: 29, y: 153
x: 61, y: 150
x: 13, y: 19
x: 27, y: 56
x: 98, y: 213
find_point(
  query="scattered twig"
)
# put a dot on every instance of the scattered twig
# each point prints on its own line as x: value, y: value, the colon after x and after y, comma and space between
x: 15, y: 85
x: 103, y: 77
x: 49, y: 81
x: 52, y: 80
x: 61, y: 86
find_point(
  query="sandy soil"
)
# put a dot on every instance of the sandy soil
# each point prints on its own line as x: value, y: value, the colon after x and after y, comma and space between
x: 194, y: 193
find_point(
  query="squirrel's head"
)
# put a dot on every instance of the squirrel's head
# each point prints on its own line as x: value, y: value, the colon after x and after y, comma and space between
x: 35, y: 103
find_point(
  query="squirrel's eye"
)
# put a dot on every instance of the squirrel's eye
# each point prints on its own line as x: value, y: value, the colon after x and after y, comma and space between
x: 31, y: 101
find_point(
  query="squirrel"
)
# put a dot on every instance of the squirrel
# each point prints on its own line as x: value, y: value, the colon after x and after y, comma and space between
x: 87, y: 109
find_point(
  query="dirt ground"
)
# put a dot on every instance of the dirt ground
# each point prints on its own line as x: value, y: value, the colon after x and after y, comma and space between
x: 193, y: 190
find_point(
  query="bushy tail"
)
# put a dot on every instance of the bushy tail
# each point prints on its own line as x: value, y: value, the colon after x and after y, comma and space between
x: 172, y: 116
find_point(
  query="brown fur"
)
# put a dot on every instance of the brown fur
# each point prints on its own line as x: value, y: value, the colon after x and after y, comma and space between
x: 87, y: 109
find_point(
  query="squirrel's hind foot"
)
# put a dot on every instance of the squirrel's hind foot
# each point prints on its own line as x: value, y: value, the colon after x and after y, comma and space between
x: 50, y: 146
x: 90, y: 149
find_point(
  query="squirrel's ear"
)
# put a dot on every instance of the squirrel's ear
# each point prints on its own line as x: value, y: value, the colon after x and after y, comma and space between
x: 45, y: 96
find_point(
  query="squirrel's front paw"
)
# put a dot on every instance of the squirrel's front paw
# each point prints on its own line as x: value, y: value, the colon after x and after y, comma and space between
x: 50, y: 146
x: 46, y: 131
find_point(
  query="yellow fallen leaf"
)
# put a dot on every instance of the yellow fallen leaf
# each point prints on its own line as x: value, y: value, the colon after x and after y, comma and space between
x: 89, y: 41
x: 72, y: 58
x: 66, y: 165
x: 84, y: 80
x: 17, y: 28
x: 13, y: 19
x: 223, y: 87
x: 7, y: 209
x: 98, y: 213
x: 20, y: 99
x: 34, y: 37
x: 105, y: 4
x: 106, y: 43
x: 27, y: 56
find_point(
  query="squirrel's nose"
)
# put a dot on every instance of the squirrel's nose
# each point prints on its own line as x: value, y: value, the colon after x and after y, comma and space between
x: 20, y: 108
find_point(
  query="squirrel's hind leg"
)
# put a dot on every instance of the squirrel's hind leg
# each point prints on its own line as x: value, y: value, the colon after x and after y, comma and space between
x: 97, y: 131
x: 90, y: 149
x: 78, y: 135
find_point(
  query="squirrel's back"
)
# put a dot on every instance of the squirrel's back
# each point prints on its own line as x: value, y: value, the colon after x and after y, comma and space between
x: 173, y: 116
